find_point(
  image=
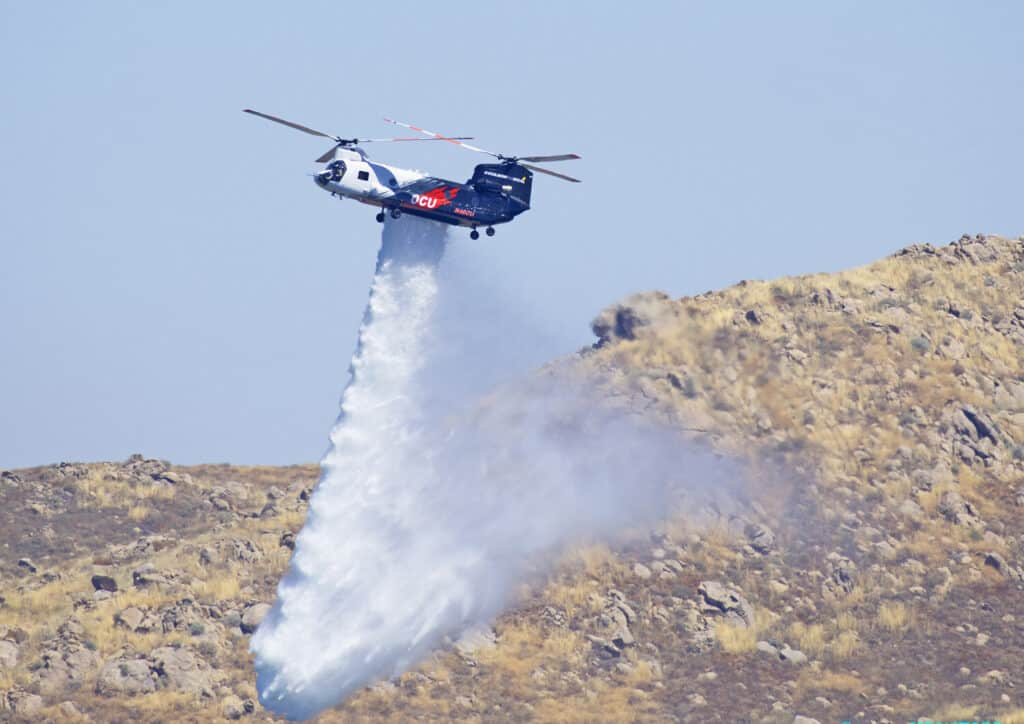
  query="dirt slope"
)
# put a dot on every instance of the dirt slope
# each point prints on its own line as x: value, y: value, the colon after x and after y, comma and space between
x: 873, y: 571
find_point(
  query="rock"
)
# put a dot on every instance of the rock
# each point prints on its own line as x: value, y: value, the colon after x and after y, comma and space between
x: 69, y: 711
x: 71, y: 664
x: 253, y: 617
x: 911, y: 509
x: 180, y: 669
x: 842, y: 577
x: 624, y: 321
x: 799, y: 719
x: 131, y: 618
x: 641, y: 571
x: 766, y: 648
x: 604, y: 647
x: 22, y: 703
x: 8, y: 655
x: 957, y: 510
x: 719, y: 600
x: 15, y: 634
x: 232, y: 707
x: 793, y: 656
x: 126, y: 677
x: 761, y: 538
x: 996, y: 561
x: 26, y: 564
x: 475, y: 639
x: 147, y: 575
x: 104, y: 583
x: 287, y: 540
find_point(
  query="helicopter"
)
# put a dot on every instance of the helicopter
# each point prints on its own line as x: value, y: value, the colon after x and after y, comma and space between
x: 495, y: 194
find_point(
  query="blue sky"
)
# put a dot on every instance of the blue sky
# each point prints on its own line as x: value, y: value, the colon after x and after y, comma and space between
x: 172, y: 283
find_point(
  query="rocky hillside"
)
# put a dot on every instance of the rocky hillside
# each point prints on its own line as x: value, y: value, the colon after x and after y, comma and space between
x: 873, y: 569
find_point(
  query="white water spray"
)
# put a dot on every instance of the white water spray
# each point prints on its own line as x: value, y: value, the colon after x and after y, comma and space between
x: 432, y: 502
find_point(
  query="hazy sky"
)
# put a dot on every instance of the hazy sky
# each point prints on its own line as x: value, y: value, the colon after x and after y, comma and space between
x: 172, y: 282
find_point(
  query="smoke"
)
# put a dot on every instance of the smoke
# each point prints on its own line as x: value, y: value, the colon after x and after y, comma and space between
x: 442, y: 487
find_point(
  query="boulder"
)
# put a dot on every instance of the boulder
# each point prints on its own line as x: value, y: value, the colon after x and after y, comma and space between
x: 996, y: 561
x: 477, y: 638
x: 956, y: 510
x: 148, y: 575
x: 8, y: 655
x: 180, y: 669
x: 126, y: 677
x: 61, y: 668
x: 104, y: 583
x: 253, y: 617
x: 720, y: 600
x: 232, y: 707
x: 131, y: 618
x: 842, y: 577
x: 761, y: 538
x: 793, y: 656
x: 22, y: 703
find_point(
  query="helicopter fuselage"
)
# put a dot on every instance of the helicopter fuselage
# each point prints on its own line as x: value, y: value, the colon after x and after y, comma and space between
x: 496, y: 193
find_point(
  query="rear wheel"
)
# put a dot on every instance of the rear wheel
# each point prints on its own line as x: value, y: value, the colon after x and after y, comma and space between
x: 474, y: 235
x: 395, y: 213
x: 490, y: 231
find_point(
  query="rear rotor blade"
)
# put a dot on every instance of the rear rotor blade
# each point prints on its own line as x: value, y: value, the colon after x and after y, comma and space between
x: 439, y: 137
x: 296, y: 126
x: 544, y: 159
x: 385, y: 140
x: 550, y: 173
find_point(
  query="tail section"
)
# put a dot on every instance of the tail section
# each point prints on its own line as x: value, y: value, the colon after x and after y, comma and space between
x: 510, y: 179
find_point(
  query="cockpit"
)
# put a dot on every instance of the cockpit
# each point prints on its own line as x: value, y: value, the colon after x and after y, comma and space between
x: 336, y: 169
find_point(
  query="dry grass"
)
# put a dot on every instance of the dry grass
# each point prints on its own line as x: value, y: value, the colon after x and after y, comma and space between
x: 809, y: 638
x: 737, y: 638
x: 845, y: 645
x: 139, y: 512
x: 217, y: 589
x: 832, y: 681
x: 894, y: 616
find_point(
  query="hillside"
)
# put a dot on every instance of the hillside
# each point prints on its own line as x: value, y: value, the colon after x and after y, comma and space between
x: 872, y: 568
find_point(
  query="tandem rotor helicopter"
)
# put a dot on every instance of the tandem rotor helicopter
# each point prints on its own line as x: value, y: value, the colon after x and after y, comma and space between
x: 496, y: 193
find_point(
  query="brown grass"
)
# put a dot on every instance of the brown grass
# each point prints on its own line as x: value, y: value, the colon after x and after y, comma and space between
x: 894, y: 616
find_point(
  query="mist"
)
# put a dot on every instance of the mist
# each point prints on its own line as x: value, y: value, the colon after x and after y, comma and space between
x: 451, y: 472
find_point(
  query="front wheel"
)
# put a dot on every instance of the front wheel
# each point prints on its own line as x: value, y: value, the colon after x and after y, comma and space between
x: 474, y: 235
x: 380, y: 217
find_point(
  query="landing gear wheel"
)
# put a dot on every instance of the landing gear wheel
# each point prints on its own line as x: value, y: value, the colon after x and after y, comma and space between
x: 474, y: 235
x: 395, y: 213
x: 380, y: 217
x: 490, y: 231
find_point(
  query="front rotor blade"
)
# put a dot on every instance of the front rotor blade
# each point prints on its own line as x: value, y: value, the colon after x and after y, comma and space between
x: 543, y: 159
x: 327, y: 156
x: 551, y: 173
x: 283, y: 122
x: 439, y: 137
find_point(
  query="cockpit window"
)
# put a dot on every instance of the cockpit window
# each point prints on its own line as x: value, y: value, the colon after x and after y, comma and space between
x: 364, y: 175
x: 337, y: 169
